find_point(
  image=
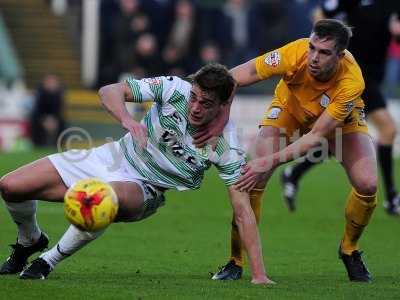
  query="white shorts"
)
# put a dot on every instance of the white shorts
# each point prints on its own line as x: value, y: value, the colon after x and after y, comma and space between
x: 107, y: 163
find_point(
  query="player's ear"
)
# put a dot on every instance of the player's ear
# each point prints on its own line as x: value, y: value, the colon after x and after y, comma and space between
x: 341, y: 54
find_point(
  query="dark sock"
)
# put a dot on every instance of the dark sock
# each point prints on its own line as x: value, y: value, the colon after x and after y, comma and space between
x: 385, y: 159
x: 301, y: 168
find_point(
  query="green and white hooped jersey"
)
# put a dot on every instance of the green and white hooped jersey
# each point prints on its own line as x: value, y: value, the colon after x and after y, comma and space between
x: 170, y: 159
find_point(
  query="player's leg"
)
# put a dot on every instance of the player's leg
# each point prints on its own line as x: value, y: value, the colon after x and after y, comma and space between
x: 292, y: 174
x: 359, y: 161
x: 267, y: 142
x: 386, y: 128
x: 278, y: 125
x: 376, y: 110
x: 37, y: 180
x: 19, y: 189
x: 131, y: 208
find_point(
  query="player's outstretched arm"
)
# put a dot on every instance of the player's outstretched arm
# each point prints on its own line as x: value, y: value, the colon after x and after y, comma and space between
x: 246, y: 222
x: 113, y: 98
x: 246, y: 73
x: 260, y: 169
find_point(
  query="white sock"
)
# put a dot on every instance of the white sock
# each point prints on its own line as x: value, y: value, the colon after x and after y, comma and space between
x: 24, y: 215
x: 72, y: 240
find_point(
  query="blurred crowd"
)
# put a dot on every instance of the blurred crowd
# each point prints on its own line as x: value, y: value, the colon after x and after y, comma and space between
x: 170, y: 37
x: 153, y: 37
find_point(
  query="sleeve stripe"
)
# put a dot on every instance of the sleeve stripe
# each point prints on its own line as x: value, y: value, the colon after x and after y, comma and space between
x: 135, y: 88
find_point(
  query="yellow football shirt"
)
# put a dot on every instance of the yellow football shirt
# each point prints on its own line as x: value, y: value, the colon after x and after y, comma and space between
x: 303, y: 96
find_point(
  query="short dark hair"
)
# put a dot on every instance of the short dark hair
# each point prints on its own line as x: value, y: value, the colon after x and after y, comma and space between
x: 214, y: 78
x: 333, y: 29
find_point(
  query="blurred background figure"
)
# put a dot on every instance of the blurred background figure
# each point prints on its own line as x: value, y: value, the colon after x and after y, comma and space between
x: 173, y: 62
x: 300, y: 17
x: 183, y: 28
x: 145, y: 60
x: 121, y: 29
x: 236, y: 32
x: 47, y: 120
x: 392, y: 76
x: 209, y: 52
x: 146, y: 38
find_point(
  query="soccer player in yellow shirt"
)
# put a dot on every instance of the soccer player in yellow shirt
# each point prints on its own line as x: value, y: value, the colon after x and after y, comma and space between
x: 317, y: 99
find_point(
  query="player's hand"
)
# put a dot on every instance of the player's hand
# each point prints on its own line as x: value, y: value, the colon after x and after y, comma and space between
x: 263, y: 280
x: 137, y: 130
x: 255, y: 171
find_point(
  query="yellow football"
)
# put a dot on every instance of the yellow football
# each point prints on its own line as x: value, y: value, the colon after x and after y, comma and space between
x: 90, y: 204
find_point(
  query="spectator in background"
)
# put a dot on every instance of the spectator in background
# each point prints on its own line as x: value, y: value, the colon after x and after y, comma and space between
x: 209, y: 52
x: 128, y: 23
x: 47, y: 121
x: 392, y: 76
x: 235, y: 36
x: 160, y: 13
x: 173, y: 62
x: 299, y: 14
x: 131, y: 23
x: 182, y: 31
x: 182, y: 44
x: 145, y: 59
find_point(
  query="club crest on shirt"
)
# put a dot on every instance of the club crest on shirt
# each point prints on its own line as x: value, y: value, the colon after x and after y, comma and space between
x: 273, y: 59
x: 349, y: 106
x: 361, y: 117
x: 325, y: 101
x: 203, y: 152
x: 273, y: 113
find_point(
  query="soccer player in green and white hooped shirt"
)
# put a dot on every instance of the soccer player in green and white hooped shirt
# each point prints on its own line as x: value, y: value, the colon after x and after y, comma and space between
x: 157, y: 154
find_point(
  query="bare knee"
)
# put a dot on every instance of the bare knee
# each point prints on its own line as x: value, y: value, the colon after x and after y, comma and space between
x: 387, y: 134
x: 9, y: 186
x: 366, y: 185
x: 385, y: 125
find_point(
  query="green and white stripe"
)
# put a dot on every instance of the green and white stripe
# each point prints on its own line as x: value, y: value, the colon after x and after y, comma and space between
x: 170, y: 158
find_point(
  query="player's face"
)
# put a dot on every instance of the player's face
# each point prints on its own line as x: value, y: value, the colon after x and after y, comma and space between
x: 203, y: 107
x: 323, y: 58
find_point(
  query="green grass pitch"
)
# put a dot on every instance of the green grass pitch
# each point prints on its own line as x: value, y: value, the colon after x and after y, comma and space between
x: 170, y: 255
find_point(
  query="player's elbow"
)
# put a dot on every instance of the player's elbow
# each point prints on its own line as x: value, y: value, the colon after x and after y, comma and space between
x: 103, y: 92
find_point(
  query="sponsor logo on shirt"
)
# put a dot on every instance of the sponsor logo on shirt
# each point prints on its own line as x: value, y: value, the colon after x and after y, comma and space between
x: 325, y: 101
x: 170, y: 139
x: 273, y: 59
x: 274, y: 113
x: 203, y: 152
x: 177, y: 117
x: 155, y: 80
